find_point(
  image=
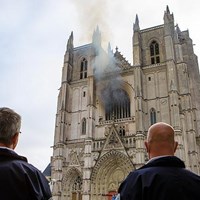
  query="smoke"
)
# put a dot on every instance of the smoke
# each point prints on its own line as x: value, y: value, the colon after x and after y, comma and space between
x: 108, y: 79
x: 91, y: 14
x: 94, y: 14
x: 109, y: 92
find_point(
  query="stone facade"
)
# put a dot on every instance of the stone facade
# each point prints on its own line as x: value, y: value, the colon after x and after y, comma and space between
x: 105, y: 106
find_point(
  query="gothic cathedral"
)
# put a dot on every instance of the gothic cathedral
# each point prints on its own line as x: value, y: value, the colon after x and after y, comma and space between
x: 106, y: 105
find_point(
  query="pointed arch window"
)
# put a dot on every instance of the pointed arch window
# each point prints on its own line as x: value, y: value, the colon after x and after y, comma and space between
x: 83, y: 127
x: 122, y: 131
x: 83, y: 68
x: 76, y: 189
x: 118, y: 105
x: 153, y: 116
x: 154, y: 52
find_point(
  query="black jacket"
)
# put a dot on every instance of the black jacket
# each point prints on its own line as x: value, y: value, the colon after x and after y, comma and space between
x: 19, y: 180
x: 164, y: 178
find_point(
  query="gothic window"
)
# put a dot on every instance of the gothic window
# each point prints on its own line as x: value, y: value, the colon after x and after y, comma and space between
x: 76, y: 189
x: 122, y: 131
x: 83, y: 69
x: 118, y: 106
x: 83, y: 128
x: 153, y: 116
x: 154, y: 52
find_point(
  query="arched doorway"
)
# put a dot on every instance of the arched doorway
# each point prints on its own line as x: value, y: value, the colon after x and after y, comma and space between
x: 108, y: 173
x: 72, y: 185
x: 77, y: 189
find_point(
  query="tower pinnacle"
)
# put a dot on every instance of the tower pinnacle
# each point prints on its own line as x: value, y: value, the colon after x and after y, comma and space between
x: 136, y: 26
x: 70, y: 44
x: 96, y: 38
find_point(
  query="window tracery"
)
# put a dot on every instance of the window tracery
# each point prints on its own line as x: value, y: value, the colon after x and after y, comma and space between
x: 153, y: 116
x: 83, y: 126
x: 154, y: 52
x: 83, y: 68
x: 76, y: 189
x: 122, y: 131
x: 119, y: 108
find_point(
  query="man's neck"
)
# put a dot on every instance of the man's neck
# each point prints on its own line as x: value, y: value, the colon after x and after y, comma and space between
x: 2, y: 145
x: 156, y: 157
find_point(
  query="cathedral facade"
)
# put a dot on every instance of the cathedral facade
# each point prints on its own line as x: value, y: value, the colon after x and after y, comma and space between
x: 106, y: 105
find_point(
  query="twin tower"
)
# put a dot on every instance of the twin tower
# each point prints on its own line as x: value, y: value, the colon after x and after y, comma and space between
x: 106, y: 105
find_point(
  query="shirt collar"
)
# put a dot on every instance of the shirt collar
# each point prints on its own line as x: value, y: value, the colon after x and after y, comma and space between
x: 6, y: 148
x: 154, y: 158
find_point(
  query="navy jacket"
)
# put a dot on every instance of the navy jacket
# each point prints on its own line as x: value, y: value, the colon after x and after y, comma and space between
x: 19, y: 180
x: 161, y: 179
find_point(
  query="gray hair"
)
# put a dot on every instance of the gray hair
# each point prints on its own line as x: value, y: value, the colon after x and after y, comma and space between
x: 10, y: 124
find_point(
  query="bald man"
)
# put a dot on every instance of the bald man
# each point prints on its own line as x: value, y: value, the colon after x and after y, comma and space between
x: 160, y: 140
x: 164, y: 176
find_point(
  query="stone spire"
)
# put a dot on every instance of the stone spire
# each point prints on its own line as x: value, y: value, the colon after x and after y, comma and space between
x: 137, y: 48
x: 167, y: 9
x: 70, y: 47
x: 168, y: 17
x: 178, y: 30
x: 110, y: 52
x: 70, y: 44
x: 136, y: 26
x: 96, y: 38
x: 176, y: 35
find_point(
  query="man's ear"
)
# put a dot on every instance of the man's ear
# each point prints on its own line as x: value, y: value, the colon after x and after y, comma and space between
x: 175, y: 146
x: 147, y: 146
x: 15, y: 140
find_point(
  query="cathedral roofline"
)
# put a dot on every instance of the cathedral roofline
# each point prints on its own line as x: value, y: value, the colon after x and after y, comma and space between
x: 152, y: 28
x: 83, y: 46
x: 47, y: 171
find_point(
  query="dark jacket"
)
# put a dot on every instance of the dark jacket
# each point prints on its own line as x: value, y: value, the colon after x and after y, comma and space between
x: 19, y: 180
x: 161, y: 179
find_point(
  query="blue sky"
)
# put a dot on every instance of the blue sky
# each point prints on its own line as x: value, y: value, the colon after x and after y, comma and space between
x: 33, y: 38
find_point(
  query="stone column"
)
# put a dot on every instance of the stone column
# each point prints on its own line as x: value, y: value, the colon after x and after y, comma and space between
x: 140, y: 150
x: 87, y: 169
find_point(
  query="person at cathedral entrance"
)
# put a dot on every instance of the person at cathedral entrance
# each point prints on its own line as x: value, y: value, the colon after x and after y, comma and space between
x: 19, y: 180
x: 114, y: 196
x: 164, y: 176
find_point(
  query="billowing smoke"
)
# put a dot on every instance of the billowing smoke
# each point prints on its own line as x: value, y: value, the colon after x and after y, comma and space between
x: 106, y: 71
x: 93, y: 13
x: 108, y: 79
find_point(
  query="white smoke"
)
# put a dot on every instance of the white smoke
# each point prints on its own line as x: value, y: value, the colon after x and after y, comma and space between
x: 92, y: 13
x: 106, y: 70
x: 107, y: 77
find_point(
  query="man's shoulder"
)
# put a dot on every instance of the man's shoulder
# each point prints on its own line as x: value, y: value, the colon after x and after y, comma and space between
x: 23, y: 172
x: 155, y: 166
x: 26, y: 166
x: 9, y: 154
x: 11, y: 158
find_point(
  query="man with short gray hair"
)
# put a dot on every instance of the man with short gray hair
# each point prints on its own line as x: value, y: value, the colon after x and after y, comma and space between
x: 19, y: 180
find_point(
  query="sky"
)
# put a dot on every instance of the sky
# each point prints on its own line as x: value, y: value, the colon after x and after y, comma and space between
x: 33, y: 39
